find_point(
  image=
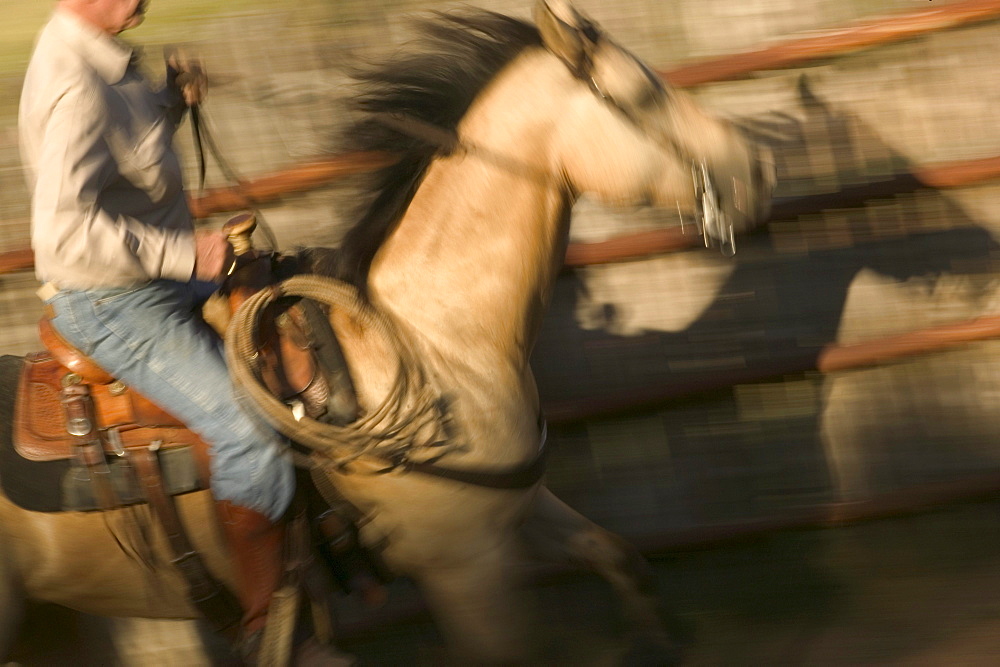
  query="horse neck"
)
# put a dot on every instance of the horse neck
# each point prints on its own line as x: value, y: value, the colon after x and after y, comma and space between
x: 471, y: 264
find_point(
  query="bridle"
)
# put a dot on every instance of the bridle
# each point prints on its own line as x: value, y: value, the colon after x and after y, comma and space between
x: 714, y: 223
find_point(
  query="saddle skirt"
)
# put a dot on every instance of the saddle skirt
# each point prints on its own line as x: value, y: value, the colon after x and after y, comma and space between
x: 125, y: 421
x: 41, y: 459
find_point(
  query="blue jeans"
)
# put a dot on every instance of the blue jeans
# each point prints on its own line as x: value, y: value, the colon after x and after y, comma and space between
x: 153, y: 339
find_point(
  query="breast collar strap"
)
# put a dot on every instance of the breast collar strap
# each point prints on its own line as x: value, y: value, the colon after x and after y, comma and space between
x: 520, y: 476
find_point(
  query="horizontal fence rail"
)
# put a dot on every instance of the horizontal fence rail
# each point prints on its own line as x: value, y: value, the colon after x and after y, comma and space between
x: 835, y: 42
x: 300, y: 178
x: 829, y: 359
x: 16, y: 260
x: 628, y: 247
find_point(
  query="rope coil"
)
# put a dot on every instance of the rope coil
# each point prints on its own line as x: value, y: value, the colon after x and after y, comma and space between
x: 410, y: 416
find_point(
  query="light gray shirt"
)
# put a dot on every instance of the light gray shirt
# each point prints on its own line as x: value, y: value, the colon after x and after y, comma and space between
x: 108, y: 208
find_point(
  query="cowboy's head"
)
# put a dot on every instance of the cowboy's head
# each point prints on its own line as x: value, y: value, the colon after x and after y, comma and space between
x: 110, y: 16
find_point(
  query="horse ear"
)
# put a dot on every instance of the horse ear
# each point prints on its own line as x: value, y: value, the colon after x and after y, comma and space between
x: 566, y: 32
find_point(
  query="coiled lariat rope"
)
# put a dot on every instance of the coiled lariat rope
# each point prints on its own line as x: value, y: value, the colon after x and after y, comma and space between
x: 410, y: 417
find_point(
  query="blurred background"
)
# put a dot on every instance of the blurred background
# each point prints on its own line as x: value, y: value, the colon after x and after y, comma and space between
x: 692, y: 407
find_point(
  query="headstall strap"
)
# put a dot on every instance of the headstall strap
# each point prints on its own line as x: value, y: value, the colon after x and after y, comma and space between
x: 432, y: 135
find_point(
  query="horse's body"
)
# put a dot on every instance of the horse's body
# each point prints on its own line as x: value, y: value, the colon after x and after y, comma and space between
x: 464, y: 268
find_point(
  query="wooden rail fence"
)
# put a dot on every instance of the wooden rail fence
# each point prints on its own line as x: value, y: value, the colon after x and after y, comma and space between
x: 836, y: 42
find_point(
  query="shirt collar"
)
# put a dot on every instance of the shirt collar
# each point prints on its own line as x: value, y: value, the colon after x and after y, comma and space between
x: 106, y: 54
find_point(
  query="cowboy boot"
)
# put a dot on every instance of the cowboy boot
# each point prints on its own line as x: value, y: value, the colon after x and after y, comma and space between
x: 256, y: 547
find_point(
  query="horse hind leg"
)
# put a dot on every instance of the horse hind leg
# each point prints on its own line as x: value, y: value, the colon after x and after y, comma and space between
x: 11, y: 608
x: 556, y: 533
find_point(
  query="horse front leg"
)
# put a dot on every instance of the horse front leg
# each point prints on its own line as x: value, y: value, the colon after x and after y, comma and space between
x: 558, y: 534
x: 478, y: 607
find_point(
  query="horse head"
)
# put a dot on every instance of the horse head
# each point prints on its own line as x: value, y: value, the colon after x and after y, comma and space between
x: 645, y: 142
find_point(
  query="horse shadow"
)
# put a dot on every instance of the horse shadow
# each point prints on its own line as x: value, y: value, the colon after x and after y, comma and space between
x: 755, y: 452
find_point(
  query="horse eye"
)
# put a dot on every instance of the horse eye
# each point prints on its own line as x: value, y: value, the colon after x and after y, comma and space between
x: 651, y: 97
x: 657, y: 91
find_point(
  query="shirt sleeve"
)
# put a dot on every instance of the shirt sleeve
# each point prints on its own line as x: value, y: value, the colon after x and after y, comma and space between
x: 74, y: 170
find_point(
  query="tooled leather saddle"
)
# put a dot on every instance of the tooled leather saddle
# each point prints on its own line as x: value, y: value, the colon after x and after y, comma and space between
x: 109, y: 432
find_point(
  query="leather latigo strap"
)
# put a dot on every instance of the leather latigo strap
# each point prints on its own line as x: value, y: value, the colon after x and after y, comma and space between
x: 211, y: 598
x: 88, y: 454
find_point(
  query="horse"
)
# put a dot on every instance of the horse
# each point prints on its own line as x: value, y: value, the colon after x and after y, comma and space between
x: 499, y: 125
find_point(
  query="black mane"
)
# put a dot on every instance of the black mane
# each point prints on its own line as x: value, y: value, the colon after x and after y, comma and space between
x: 435, y: 81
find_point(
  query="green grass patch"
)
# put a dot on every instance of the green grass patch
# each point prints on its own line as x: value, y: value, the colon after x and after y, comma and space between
x: 166, y: 21
x: 21, y: 22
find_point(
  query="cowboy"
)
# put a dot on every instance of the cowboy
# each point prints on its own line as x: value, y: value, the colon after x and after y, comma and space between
x: 124, y: 271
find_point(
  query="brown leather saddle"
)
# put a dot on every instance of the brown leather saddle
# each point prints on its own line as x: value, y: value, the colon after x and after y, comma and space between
x: 124, y: 418
x: 126, y: 432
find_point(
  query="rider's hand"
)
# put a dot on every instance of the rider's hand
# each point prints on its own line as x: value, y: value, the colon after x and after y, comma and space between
x: 186, y: 75
x: 213, y: 256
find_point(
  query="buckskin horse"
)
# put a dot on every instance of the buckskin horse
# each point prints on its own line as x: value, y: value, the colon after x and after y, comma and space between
x: 500, y: 125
